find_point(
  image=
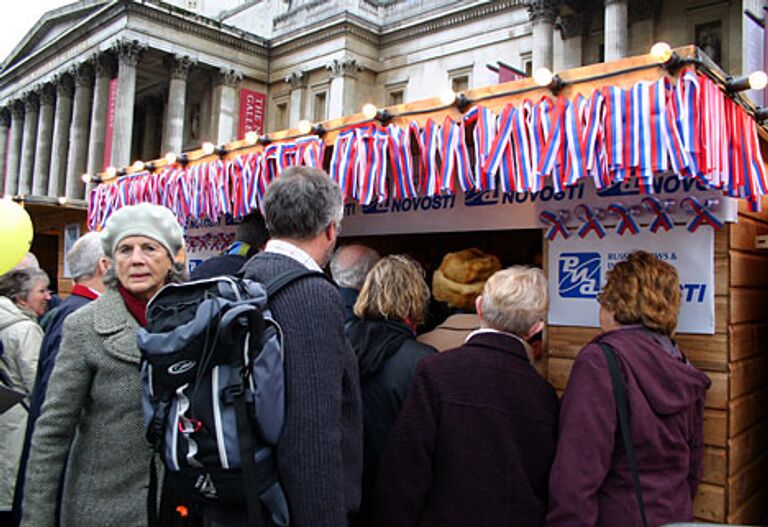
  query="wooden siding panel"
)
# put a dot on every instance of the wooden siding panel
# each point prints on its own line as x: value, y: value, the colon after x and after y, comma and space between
x: 709, y: 503
x: 746, y: 446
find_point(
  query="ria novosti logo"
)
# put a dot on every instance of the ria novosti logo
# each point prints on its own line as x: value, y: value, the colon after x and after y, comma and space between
x: 578, y: 275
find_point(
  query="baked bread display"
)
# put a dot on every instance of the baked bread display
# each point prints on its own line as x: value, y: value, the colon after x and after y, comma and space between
x: 461, y: 277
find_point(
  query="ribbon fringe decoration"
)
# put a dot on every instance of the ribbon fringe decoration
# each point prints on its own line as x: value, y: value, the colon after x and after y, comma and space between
x: 688, y: 127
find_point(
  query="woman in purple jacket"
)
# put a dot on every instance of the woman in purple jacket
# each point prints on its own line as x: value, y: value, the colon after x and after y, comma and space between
x: 591, y: 482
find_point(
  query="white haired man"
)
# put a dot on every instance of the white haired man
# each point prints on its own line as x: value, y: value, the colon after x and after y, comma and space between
x: 475, y: 440
x: 349, y: 267
x: 87, y: 265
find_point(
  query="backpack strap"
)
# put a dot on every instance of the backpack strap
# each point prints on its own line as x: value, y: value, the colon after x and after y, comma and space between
x: 278, y: 282
x: 622, y: 408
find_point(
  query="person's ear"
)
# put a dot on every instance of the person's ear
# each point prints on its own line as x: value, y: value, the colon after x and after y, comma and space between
x: 103, y: 265
x: 534, y: 330
x: 479, y: 306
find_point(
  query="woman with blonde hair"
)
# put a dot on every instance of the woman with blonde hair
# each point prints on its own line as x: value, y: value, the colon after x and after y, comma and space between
x: 391, y: 304
x: 593, y: 481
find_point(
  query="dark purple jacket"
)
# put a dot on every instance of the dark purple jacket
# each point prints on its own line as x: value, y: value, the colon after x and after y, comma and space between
x: 591, y: 484
x: 474, y: 442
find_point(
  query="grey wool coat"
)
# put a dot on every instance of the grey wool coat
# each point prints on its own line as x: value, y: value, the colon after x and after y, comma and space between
x: 93, y: 413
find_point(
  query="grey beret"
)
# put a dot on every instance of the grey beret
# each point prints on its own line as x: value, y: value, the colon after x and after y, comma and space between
x: 152, y: 221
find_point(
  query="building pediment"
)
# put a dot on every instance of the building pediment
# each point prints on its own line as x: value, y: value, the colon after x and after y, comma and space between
x: 52, y: 25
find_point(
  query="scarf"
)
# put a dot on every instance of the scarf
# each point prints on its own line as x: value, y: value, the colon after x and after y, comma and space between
x: 84, y: 291
x: 136, y: 306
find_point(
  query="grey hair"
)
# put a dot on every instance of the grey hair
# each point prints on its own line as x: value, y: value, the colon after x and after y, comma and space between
x: 28, y: 262
x: 350, y: 270
x: 177, y: 275
x: 17, y: 284
x: 83, y: 258
x: 515, y: 299
x: 302, y: 203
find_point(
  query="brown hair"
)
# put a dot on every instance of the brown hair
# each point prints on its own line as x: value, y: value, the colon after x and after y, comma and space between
x: 643, y: 290
x: 394, y: 290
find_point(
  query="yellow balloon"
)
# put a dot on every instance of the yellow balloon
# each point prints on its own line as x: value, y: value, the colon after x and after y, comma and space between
x: 15, y: 234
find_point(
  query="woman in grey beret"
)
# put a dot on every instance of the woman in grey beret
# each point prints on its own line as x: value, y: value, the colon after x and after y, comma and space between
x: 91, y: 427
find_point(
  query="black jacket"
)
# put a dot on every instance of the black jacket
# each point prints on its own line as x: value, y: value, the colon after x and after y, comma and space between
x: 387, y: 354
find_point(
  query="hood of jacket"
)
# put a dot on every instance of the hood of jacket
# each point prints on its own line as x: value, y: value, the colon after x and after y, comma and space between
x: 669, y: 384
x: 374, y: 341
x: 11, y: 314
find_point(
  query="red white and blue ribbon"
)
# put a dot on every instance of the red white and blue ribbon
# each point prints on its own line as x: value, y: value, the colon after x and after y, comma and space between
x: 557, y: 226
x: 455, y: 157
x: 400, y: 161
x: 430, y: 174
x: 626, y: 221
x: 701, y: 215
x: 661, y: 220
x: 591, y: 222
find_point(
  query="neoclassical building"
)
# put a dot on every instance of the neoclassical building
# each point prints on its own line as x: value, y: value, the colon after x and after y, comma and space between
x: 101, y: 83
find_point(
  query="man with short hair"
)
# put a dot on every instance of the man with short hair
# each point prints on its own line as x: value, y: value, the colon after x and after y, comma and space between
x: 349, y: 267
x: 87, y: 265
x: 319, y: 456
x: 250, y: 238
x: 475, y: 440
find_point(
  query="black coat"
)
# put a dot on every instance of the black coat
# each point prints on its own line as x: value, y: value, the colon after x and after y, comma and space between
x: 474, y: 442
x: 387, y: 353
x: 222, y: 265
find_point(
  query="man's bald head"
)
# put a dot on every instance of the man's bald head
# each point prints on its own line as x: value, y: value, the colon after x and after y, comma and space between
x: 351, y: 263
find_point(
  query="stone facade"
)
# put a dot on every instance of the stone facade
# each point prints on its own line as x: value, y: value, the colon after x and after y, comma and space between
x: 178, y: 67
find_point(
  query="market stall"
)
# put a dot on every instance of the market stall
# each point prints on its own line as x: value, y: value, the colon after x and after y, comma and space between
x: 658, y: 152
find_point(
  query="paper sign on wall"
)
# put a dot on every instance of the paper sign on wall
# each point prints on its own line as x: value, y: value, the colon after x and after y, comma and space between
x: 578, y: 268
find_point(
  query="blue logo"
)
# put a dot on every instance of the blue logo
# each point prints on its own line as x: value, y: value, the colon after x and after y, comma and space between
x: 376, y: 208
x: 473, y: 198
x: 578, y: 275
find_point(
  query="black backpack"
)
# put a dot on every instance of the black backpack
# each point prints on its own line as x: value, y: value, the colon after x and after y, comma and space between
x: 213, y: 393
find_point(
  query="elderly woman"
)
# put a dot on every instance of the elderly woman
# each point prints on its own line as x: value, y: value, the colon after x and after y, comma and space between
x: 591, y: 482
x: 391, y: 304
x: 476, y: 436
x: 91, y: 420
x: 24, y: 297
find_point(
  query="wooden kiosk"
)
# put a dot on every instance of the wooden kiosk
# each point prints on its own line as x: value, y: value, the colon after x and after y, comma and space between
x: 734, y: 354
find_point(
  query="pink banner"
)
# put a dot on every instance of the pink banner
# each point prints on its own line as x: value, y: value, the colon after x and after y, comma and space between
x: 110, y: 130
x: 252, y: 104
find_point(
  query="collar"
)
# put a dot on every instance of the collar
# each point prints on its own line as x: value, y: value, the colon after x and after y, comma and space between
x: 491, y: 331
x: 291, y: 251
x: 85, y: 291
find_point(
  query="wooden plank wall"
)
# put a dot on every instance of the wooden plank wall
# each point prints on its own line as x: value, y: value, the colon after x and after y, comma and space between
x: 710, y: 354
x: 747, y: 480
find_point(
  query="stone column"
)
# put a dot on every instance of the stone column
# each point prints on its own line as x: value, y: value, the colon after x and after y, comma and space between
x: 31, y: 113
x: 225, y: 107
x: 298, y: 82
x: 14, y: 148
x: 5, y: 123
x: 573, y: 29
x: 61, y: 123
x: 78, y: 133
x: 129, y: 53
x: 175, y: 108
x: 150, y: 138
x: 542, y: 14
x: 103, y: 68
x: 342, y: 96
x: 616, y: 29
x: 44, y: 139
x: 642, y: 19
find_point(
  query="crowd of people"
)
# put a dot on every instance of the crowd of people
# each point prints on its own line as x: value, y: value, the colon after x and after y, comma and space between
x: 386, y: 424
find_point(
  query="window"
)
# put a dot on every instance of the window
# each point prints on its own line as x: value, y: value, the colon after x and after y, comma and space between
x: 320, y: 106
x: 281, y: 115
x: 193, y: 5
x: 709, y: 37
x: 395, y: 97
x: 461, y: 79
x: 526, y: 63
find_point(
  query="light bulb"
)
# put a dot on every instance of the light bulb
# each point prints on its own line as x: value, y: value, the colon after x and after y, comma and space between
x: 543, y: 77
x: 758, y: 80
x: 86, y: 178
x: 370, y: 110
x: 111, y: 172
x: 208, y: 148
x: 304, y: 126
x: 170, y: 158
x: 661, y: 52
x: 63, y: 199
x: 138, y: 165
x: 251, y: 137
x: 447, y: 97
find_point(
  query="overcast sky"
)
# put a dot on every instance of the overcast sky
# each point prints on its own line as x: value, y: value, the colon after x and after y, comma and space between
x: 18, y: 20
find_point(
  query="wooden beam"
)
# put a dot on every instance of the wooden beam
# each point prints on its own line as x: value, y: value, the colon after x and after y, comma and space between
x: 747, y: 482
x: 747, y: 340
x: 749, y: 375
x: 746, y: 446
x: 709, y: 503
x: 747, y: 411
x: 747, y: 304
